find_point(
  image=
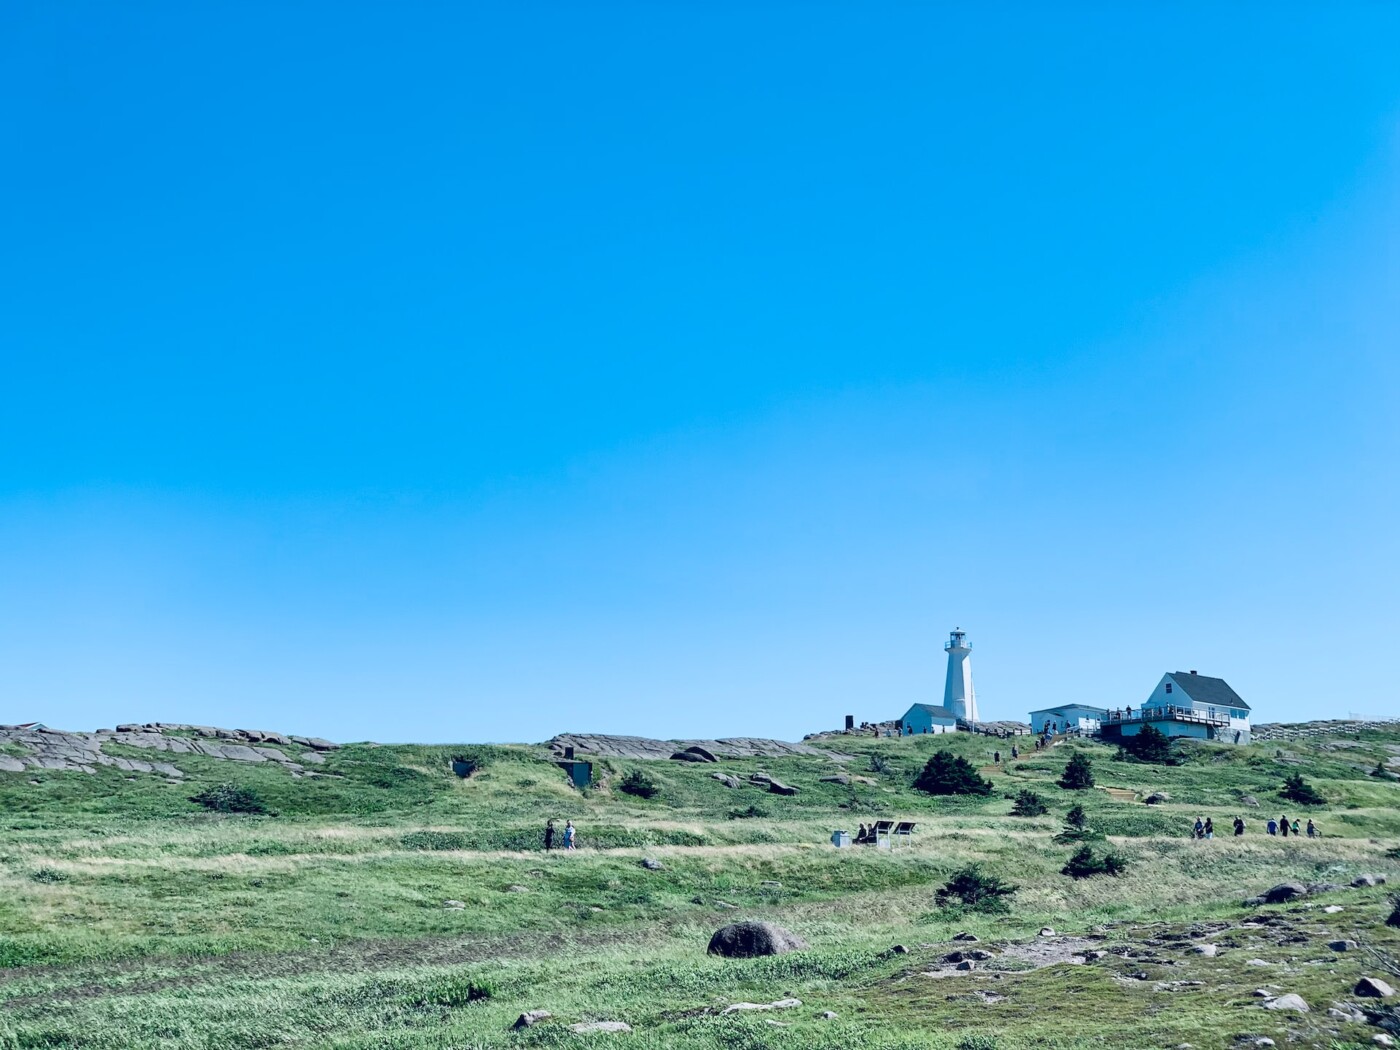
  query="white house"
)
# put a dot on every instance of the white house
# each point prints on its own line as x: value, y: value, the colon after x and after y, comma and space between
x: 1187, y: 704
x: 928, y: 718
x: 1081, y: 717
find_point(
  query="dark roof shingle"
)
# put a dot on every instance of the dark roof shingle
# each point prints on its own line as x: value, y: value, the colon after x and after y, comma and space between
x: 1205, y: 690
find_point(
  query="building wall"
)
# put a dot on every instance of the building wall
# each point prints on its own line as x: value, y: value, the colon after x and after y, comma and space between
x: 919, y: 722
x: 1078, y: 716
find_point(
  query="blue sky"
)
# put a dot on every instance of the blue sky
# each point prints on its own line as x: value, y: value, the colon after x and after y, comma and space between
x: 480, y: 372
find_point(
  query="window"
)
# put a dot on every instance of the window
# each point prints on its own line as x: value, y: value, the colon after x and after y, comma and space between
x: 1169, y: 687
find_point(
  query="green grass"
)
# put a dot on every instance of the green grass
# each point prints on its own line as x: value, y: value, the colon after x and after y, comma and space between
x: 131, y: 917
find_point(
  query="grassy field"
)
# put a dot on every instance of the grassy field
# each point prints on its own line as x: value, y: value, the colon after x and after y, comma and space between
x: 131, y: 917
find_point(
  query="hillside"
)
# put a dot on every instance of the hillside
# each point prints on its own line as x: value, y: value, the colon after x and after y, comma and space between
x: 385, y: 900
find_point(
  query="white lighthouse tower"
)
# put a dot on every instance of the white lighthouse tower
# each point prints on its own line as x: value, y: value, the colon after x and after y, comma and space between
x: 958, y: 695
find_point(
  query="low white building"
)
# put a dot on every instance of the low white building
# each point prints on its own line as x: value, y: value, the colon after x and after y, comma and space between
x: 928, y: 718
x: 1067, y: 718
x: 1187, y: 704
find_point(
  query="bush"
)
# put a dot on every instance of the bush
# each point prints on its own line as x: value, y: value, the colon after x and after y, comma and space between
x: 1394, y: 919
x: 1077, y: 827
x: 48, y: 875
x: 1078, y: 775
x: 1028, y: 804
x: 1084, y: 864
x: 949, y: 774
x: 978, y: 890
x: 1296, y: 789
x: 1150, y: 745
x: 638, y: 783
x: 977, y: 1041
x: 878, y: 762
x: 230, y: 798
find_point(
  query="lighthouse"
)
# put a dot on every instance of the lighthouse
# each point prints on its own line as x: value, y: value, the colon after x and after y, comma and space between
x: 958, y: 695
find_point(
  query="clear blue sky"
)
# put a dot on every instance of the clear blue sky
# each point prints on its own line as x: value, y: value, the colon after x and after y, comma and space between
x: 480, y: 372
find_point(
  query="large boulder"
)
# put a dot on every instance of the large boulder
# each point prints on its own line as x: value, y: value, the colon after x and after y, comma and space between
x: 744, y: 940
x: 777, y: 787
x: 1284, y: 891
x: 1373, y: 988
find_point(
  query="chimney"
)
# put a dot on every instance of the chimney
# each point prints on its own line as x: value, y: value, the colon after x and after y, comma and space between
x: 1193, y: 671
x: 850, y: 721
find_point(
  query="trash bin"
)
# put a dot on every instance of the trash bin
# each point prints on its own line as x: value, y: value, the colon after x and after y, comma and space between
x: 840, y: 839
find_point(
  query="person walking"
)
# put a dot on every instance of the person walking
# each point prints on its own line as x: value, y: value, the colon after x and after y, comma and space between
x: 1272, y: 826
x: 1210, y: 828
x: 1199, y: 831
x: 1015, y: 752
x: 1312, y: 829
x: 1283, y: 825
x: 1239, y: 826
x: 548, y: 835
x: 569, y: 834
x: 1297, y: 831
x: 996, y: 758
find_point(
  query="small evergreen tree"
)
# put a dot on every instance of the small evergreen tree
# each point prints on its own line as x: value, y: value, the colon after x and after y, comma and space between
x: 976, y: 889
x: 1084, y: 864
x: 1079, y: 774
x: 1028, y: 804
x: 1296, y: 789
x: 230, y: 798
x: 949, y: 774
x: 638, y: 783
x: 1077, y: 818
x: 1150, y: 745
x: 1077, y: 827
x: 1380, y: 770
x: 1394, y: 919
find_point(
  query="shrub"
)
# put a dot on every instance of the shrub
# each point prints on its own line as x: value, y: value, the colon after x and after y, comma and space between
x: 977, y: 1041
x: 878, y: 762
x: 1296, y: 789
x: 1079, y: 774
x: 1150, y: 745
x: 1084, y: 864
x: 1077, y: 827
x: 949, y: 774
x: 48, y: 875
x: 1077, y: 818
x: 451, y: 992
x: 1028, y: 804
x: 976, y: 889
x: 638, y: 783
x: 230, y: 798
x: 747, y: 814
x: 1394, y: 919
x: 1380, y: 770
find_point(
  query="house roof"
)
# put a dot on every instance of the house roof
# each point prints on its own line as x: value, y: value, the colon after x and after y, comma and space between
x: 1070, y: 707
x: 1206, y: 690
x: 935, y: 710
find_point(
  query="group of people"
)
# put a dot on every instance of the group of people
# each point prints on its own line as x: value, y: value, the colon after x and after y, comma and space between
x: 570, y: 836
x: 865, y: 836
x: 1205, y: 829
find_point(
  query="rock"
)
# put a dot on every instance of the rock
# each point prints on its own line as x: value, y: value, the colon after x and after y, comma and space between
x: 1362, y: 881
x: 11, y: 765
x: 600, y: 1026
x: 1046, y: 931
x: 967, y: 964
x: 1381, y: 1039
x: 975, y: 954
x: 517, y: 888
x: 971, y: 938
x: 1252, y: 902
x: 743, y: 940
x: 1341, y: 946
x: 829, y: 1015
x: 1254, y: 1040
x: 454, y: 905
x: 1284, y: 891
x: 771, y: 884
x: 1373, y: 988
x: 314, y: 758
x: 781, y: 1004
x: 1250, y: 800
x: 652, y: 864
x: 1323, y: 887
x: 778, y: 788
x: 1332, y: 909
x: 1157, y: 798
x: 839, y: 778
x: 691, y: 756
x: 531, y: 1017
x: 1208, y: 950
x: 1258, y: 962
x: 1096, y: 954
x: 727, y: 780
x: 1286, y: 1002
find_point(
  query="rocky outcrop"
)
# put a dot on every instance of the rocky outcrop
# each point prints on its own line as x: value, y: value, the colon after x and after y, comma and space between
x: 744, y: 940
x: 55, y: 749
x: 1307, y: 730
x: 640, y: 747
